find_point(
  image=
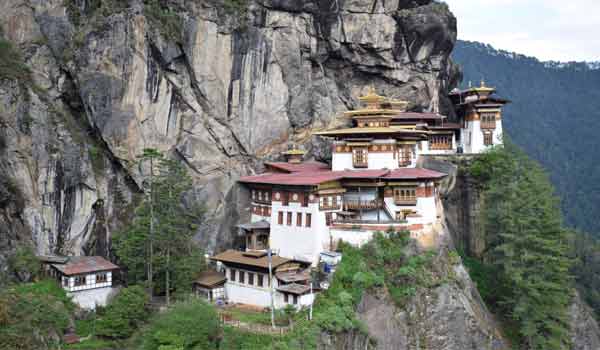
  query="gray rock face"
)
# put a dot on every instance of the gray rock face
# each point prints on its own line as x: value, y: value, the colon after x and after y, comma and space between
x: 233, y: 89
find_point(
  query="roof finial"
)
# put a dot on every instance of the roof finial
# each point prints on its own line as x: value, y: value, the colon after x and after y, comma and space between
x: 482, y: 82
x: 470, y: 84
x: 371, y: 90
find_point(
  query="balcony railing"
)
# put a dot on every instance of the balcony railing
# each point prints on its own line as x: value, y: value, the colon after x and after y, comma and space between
x: 405, y: 201
x: 368, y: 222
x: 355, y: 204
x: 337, y: 206
x: 360, y: 164
x: 488, y: 125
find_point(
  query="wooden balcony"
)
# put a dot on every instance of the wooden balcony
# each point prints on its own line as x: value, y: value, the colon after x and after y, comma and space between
x: 353, y: 204
x: 360, y: 164
x: 406, y: 201
x: 337, y: 206
x: 488, y: 125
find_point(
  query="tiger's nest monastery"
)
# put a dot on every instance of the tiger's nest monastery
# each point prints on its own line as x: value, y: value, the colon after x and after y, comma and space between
x: 301, y: 209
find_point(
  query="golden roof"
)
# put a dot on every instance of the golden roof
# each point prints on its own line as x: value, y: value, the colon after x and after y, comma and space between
x: 372, y: 97
x: 294, y: 152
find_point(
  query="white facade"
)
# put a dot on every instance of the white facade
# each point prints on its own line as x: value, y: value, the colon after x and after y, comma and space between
x: 473, y: 139
x: 245, y: 293
x: 298, y: 242
x: 90, y: 298
x: 70, y: 284
x: 426, y: 148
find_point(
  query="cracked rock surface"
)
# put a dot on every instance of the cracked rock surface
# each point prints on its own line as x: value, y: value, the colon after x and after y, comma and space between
x: 228, y: 91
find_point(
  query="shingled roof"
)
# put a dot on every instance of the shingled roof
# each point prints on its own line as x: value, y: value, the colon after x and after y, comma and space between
x: 250, y: 259
x: 78, y: 265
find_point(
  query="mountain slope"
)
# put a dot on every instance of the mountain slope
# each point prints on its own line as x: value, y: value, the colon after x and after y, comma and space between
x: 554, y: 116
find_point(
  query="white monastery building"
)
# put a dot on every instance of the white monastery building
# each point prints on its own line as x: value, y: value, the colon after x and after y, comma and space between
x: 301, y: 209
x: 87, y: 279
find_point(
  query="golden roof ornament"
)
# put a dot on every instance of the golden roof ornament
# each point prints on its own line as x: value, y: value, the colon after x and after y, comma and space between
x: 372, y: 99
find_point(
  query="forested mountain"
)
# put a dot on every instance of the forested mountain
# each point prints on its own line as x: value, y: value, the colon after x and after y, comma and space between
x: 554, y: 116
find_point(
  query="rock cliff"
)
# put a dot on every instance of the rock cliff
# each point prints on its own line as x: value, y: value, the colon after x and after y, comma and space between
x: 219, y: 85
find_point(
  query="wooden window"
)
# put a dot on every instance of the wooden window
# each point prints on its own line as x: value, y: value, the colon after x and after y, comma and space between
x: 308, y: 219
x: 286, y: 198
x: 260, y: 279
x: 280, y: 218
x: 299, y: 219
x: 328, y: 219
x: 488, y: 138
x: 295, y: 300
x: 488, y: 120
x: 360, y: 157
x: 289, y: 218
x: 232, y: 275
x: 65, y: 281
x: 250, y: 278
x: 101, y: 278
x: 80, y: 280
x: 404, y: 156
x: 285, y: 298
x: 440, y: 142
x: 305, y: 197
x: 242, y: 278
x: 405, y: 195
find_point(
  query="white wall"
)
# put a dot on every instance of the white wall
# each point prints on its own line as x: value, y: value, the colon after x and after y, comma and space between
x: 425, y: 148
x: 257, y: 218
x: 238, y: 292
x: 476, y: 144
x: 354, y: 237
x: 90, y: 282
x: 298, y: 242
x: 88, y: 299
x: 341, y: 161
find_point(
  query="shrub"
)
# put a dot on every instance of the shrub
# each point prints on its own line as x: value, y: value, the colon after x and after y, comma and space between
x: 33, y: 315
x: 24, y: 264
x: 124, y: 314
x: 188, y: 325
x: 12, y: 65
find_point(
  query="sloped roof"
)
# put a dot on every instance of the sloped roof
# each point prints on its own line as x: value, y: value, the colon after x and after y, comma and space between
x: 319, y: 177
x: 237, y: 257
x: 85, y: 264
x: 413, y: 173
x: 294, y: 288
x: 418, y: 115
x: 293, y: 276
x: 210, y: 278
x: 298, y: 167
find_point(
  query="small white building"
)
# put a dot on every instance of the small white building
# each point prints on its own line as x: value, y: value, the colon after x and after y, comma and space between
x: 248, y: 280
x: 210, y: 285
x: 87, y: 279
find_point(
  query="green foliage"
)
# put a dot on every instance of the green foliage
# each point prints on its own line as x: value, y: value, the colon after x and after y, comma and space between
x: 188, y: 325
x: 24, y: 264
x: 586, y: 269
x: 80, y: 15
x: 97, y: 158
x: 124, y: 314
x: 30, y: 313
x: 527, y: 245
x: 12, y: 65
x: 162, y: 230
x: 165, y: 18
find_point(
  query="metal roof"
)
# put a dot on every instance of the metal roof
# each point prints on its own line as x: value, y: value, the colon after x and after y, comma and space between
x: 210, y: 279
x: 294, y: 288
x: 85, y: 264
x: 237, y: 257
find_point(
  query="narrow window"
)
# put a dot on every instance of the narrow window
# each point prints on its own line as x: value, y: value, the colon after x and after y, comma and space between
x: 280, y: 218
x: 285, y: 298
x: 487, y: 139
x: 101, y: 278
x: 260, y: 280
x: 232, y: 275
x: 328, y: 219
x: 289, y: 218
x: 299, y: 219
x: 308, y: 219
x: 241, y: 279
x: 295, y: 300
x: 250, y: 278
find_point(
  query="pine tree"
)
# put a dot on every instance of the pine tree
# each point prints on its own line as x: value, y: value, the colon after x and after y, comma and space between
x: 528, y: 246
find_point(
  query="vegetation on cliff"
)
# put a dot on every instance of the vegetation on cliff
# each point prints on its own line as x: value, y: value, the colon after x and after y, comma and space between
x: 158, y: 245
x: 528, y: 250
x: 33, y: 316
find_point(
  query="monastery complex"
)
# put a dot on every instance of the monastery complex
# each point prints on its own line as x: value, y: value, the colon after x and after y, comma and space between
x: 301, y: 209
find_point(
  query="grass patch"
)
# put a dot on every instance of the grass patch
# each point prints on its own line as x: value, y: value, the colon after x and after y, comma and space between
x: 168, y: 21
x: 12, y: 65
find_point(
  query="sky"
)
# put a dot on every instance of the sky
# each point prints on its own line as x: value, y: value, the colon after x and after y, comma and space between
x: 559, y: 30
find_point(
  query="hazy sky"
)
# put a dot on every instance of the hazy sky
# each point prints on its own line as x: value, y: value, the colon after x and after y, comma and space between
x: 561, y: 30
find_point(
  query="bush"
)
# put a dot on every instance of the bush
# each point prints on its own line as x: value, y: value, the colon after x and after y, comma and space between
x: 24, y: 264
x: 189, y: 325
x: 124, y: 314
x: 33, y: 316
x: 11, y: 63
